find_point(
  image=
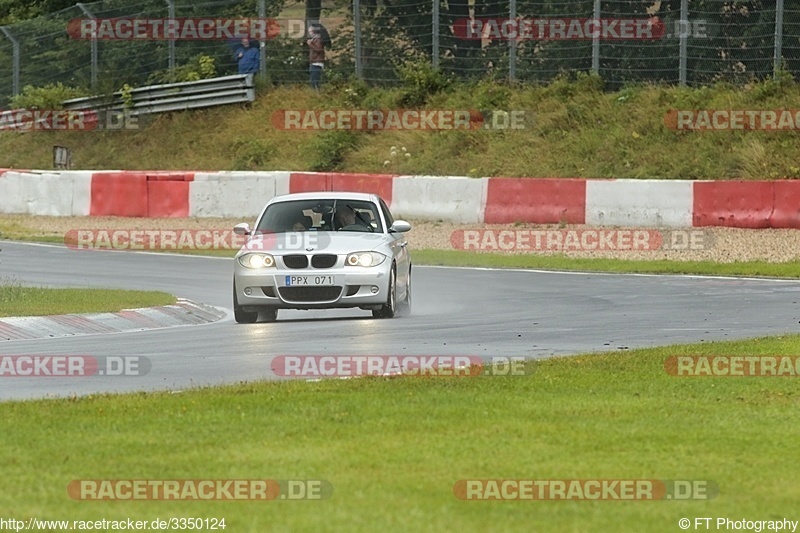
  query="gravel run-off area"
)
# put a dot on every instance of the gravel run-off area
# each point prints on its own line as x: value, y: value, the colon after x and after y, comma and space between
x: 690, y: 244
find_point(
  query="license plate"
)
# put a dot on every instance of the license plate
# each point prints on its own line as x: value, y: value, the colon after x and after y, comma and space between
x: 309, y: 281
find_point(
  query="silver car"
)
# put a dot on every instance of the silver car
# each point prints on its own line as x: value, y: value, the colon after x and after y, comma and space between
x: 322, y: 250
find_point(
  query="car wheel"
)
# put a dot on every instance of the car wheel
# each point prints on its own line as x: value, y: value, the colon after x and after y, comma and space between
x: 404, y: 308
x: 389, y: 309
x: 241, y: 316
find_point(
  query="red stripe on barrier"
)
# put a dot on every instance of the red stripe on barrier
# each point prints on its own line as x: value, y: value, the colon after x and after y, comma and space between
x: 541, y: 201
x: 170, y: 176
x: 141, y: 194
x: 167, y: 199
x: 308, y: 182
x: 786, y: 212
x: 119, y: 194
x: 168, y: 194
x: 736, y: 204
x: 380, y: 184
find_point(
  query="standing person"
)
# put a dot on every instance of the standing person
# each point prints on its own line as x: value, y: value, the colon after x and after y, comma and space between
x: 247, y: 56
x: 316, y: 55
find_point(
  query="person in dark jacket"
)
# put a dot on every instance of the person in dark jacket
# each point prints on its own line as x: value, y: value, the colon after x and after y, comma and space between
x: 247, y: 56
x: 316, y: 55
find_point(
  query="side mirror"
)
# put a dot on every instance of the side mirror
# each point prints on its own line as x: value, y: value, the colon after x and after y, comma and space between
x: 400, y: 226
x: 242, y: 229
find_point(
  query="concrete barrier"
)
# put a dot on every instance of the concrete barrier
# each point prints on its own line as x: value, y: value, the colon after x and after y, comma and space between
x: 234, y: 194
x: 452, y: 199
x: 641, y: 203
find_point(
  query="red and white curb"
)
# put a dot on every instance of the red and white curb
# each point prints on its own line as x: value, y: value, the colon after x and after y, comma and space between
x: 183, y: 313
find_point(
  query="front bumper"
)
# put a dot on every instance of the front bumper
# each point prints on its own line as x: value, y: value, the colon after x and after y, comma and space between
x: 350, y: 287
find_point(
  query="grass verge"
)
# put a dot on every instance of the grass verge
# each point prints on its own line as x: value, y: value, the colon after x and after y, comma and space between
x: 575, y: 129
x: 393, y: 447
x: 18, y: 300
x: 460, y: 258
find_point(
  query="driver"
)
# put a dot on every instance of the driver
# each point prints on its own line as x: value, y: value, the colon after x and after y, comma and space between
x: 346, y: 219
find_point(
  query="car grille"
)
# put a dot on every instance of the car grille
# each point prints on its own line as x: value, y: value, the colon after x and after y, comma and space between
x: 310, y: 294
x: 295, y: 261
x: 323, y: 260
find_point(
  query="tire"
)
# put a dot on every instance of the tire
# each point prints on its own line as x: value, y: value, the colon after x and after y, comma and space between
x: 269, y: 314
x: 404, y: 309
x: 389, y: 309
x: 241, y: 316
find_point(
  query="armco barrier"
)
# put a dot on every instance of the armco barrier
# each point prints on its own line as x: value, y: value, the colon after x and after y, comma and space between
x: 453, y: 199
x: 541, y: 201
x: 739, y: 204
x: 643, y: 203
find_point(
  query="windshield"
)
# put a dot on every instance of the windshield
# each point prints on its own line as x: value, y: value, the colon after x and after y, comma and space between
x: 321, y: 215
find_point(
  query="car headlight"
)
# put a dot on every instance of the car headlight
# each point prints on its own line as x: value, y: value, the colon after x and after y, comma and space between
x: 365, y: 259
x: 257, y: 261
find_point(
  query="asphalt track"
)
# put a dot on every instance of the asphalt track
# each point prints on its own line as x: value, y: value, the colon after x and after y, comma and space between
x: 457, y: 311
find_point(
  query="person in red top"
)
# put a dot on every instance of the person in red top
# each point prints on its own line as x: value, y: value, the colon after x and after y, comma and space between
x: 316, y: 55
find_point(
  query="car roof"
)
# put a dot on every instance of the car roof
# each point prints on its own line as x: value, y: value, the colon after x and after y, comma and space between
x: 325, y: 195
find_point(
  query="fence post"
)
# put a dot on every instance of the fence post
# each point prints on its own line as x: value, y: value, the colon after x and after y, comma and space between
x: 15, y: 52
x: 171, y: 16
x: 435, y: 36
x: 512, y: 43
x: 683, y: 43
x: 357, y: 37
x: 596, y: 38
x: 778, y: 37
x: 94, y: 44
x: 262, y: 45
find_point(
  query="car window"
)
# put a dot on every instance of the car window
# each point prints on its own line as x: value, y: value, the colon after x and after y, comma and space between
x: 357, y: 215
x: 387, y: 214
x: 321, y: 215
x: 298, y: 215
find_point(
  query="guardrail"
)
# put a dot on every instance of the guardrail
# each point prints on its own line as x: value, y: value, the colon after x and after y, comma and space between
x: 211, y: 92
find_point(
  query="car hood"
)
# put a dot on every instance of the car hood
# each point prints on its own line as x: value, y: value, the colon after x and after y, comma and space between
x: 331, y: 242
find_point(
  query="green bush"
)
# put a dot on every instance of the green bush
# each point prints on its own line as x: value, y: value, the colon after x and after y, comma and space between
x: 420, y: 80
x: 251, y: 154
x: 50, y: 96
x: 331, y: 147
x: 200, y: 67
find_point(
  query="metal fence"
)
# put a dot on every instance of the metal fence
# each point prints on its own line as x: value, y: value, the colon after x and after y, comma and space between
x: 694, y: 42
